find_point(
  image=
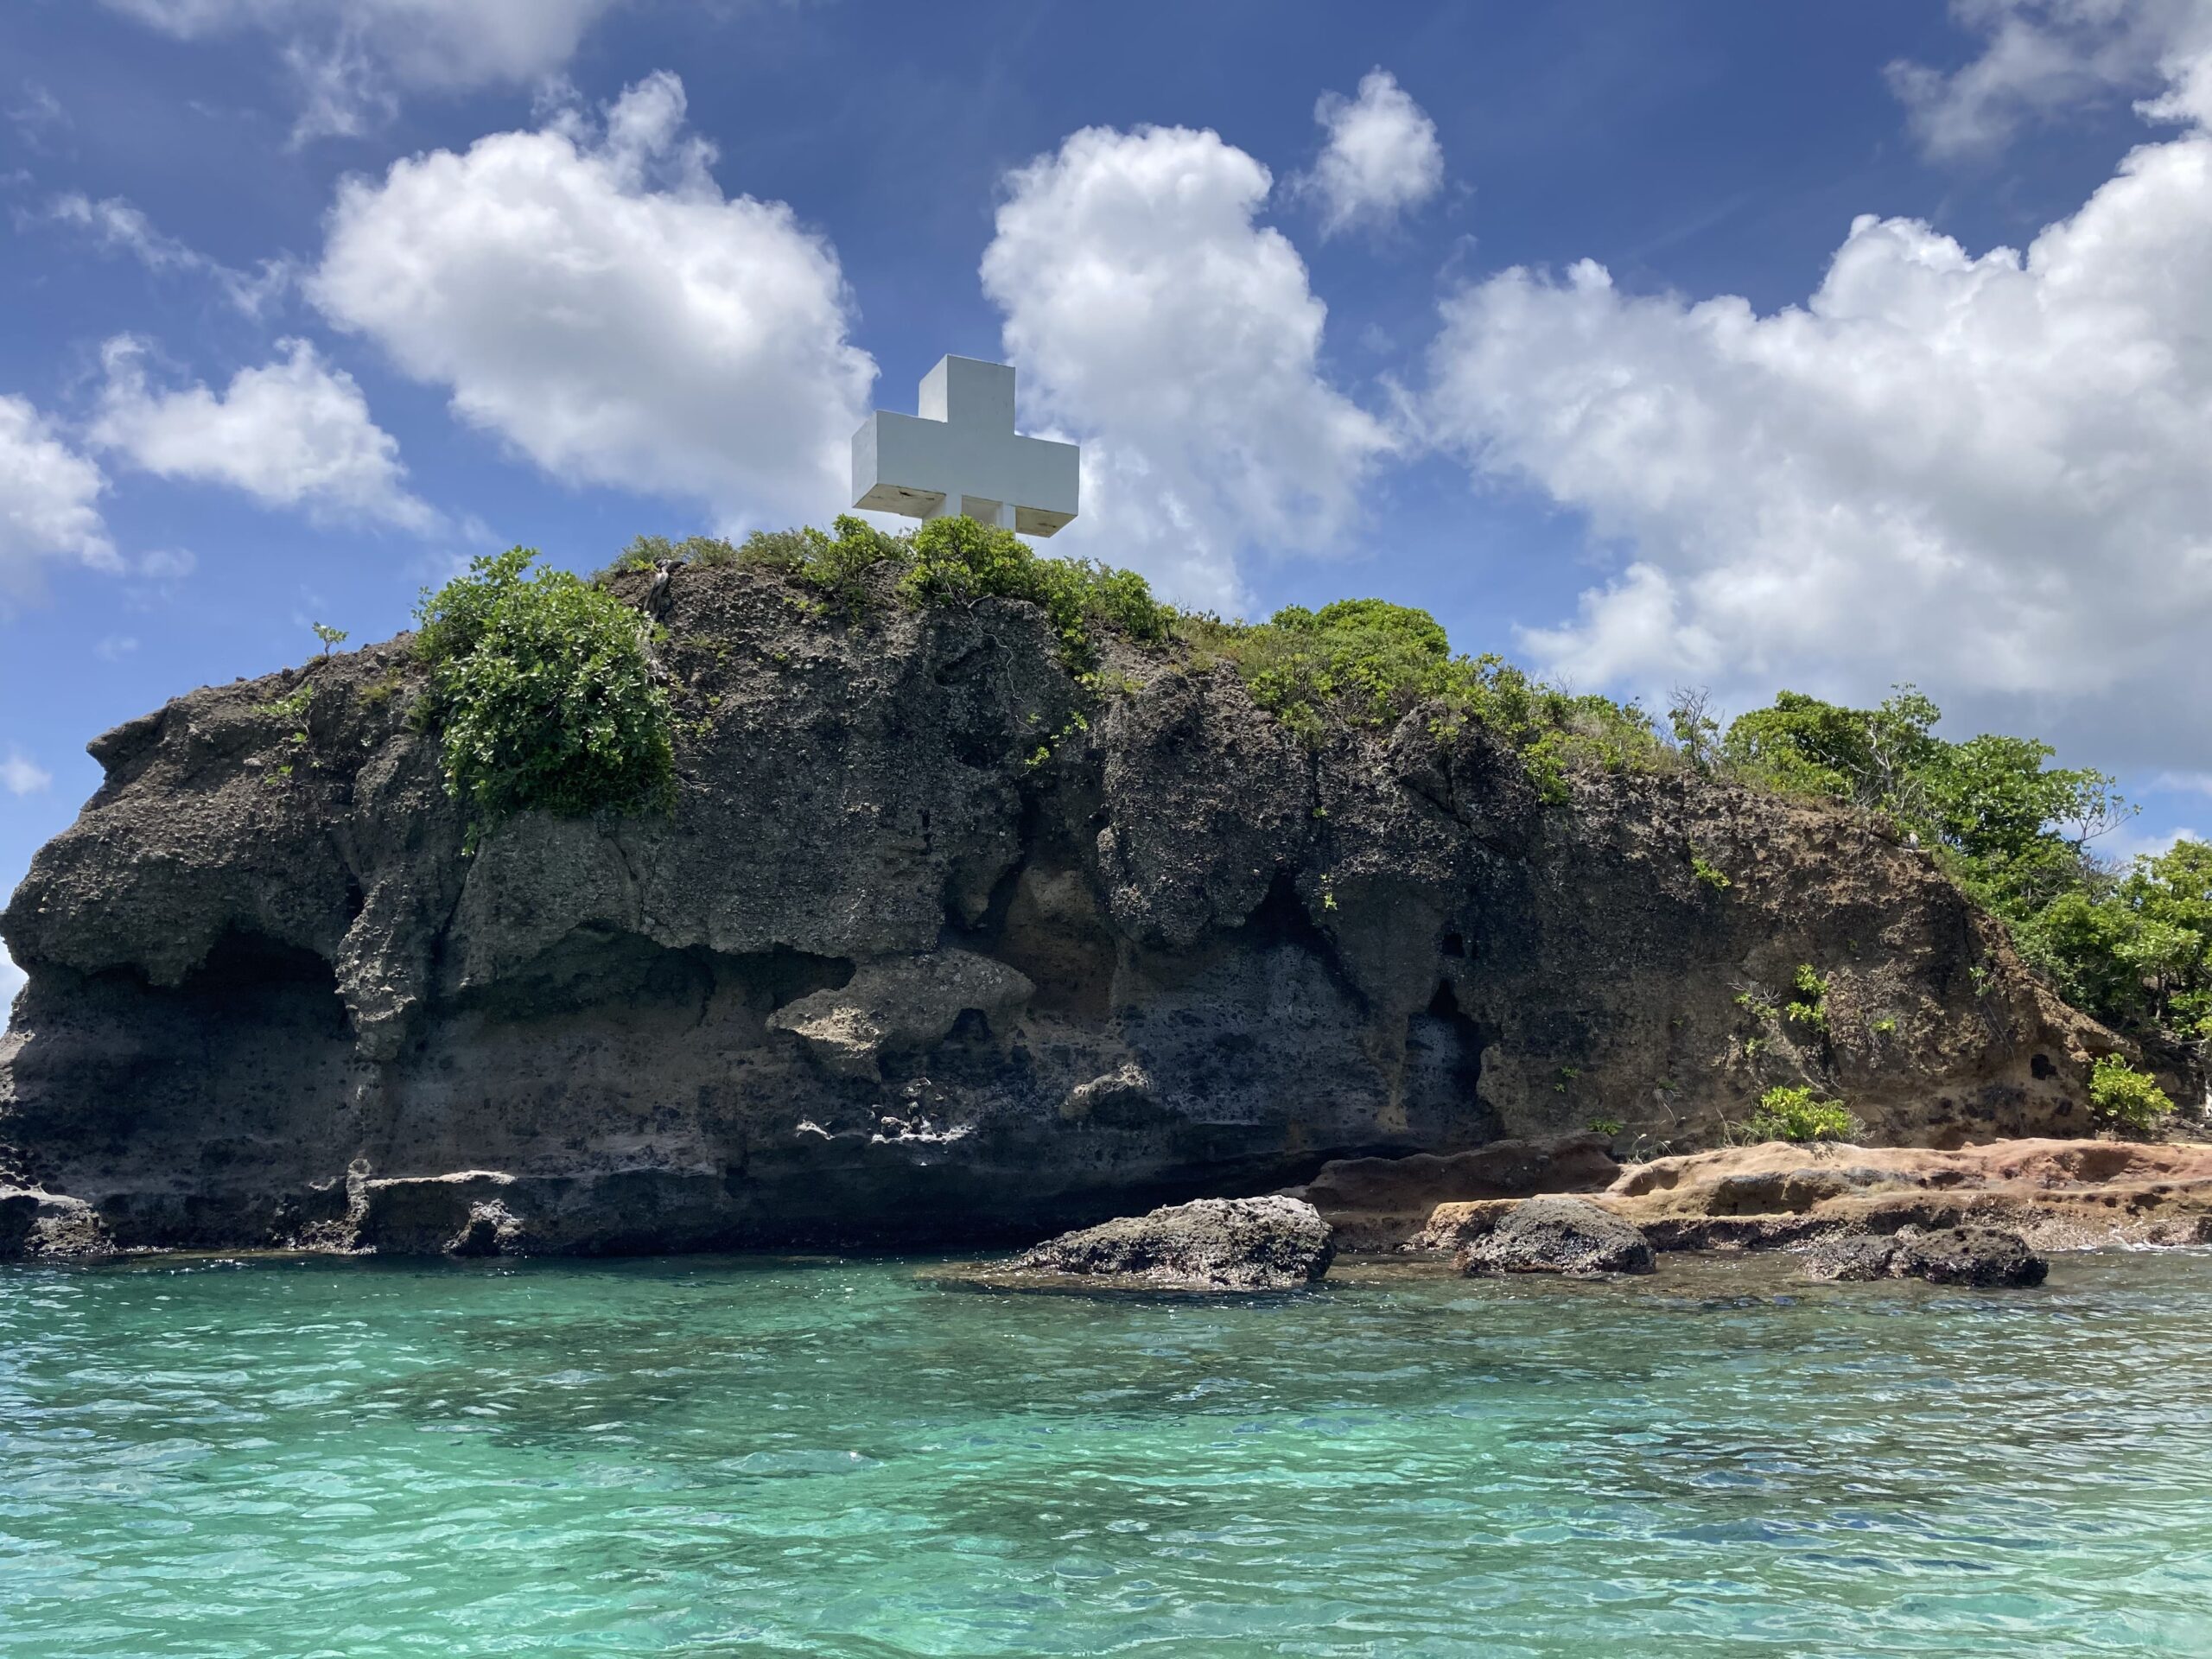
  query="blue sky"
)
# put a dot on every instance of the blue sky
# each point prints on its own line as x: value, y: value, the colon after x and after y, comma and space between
x: 1651, y: 344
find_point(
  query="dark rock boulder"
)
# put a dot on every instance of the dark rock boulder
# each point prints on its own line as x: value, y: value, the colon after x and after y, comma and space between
x: 1984, y: 1257
x: 1271, y: 1243
x: 48, y: 1226
x: 1557, y: 1234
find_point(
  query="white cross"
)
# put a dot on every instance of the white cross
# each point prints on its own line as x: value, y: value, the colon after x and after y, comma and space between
x: 961, y: 455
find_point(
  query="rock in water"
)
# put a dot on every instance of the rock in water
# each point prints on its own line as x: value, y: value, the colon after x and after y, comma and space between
x: 1271, y: 1243
x: 1988, y: 1257
x: 1559, y: 1235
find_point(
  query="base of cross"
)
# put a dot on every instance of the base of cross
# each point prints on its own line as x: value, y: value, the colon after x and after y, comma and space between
x: 950, y: 505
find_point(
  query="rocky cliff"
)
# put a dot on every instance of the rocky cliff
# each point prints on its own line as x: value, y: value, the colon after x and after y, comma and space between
x: 935, y: 943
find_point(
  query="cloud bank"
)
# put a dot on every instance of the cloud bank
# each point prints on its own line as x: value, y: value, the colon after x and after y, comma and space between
x: 1154, y: 319
x: 1986, y: 472
x: 295, y: 433
x: 587, y: 293
x: 353, y: 59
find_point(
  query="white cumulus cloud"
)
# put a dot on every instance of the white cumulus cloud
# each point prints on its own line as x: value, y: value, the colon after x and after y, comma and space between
x: 588, y: 294
x: 1983, y: 472
x: 352, y: 58
x: 1379, y: 159
x: 49, y: 499
x: 1155, y: 321
x: 293, y: 433
x: 2043, y: 57
x: 19, y: 775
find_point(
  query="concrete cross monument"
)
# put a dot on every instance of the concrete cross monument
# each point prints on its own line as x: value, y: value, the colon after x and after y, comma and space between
x: 961, y: 456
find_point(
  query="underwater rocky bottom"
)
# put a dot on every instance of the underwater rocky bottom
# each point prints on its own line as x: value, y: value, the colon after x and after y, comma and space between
x: 738, y: 1456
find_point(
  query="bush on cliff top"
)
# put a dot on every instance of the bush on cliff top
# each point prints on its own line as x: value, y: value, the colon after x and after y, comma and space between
x: 543, y: 693
x: 1362, y: 663
x: 951, y: 561
x: 1368, y: 662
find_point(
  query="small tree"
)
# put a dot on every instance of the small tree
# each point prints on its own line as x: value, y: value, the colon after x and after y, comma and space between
x: 328, y: 635
x: 1794, y: 1114
x: 2126, y: 1099
x: 1696, y: 733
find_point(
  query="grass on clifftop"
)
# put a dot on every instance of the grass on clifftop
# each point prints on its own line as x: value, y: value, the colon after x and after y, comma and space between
x: 1362, y: 662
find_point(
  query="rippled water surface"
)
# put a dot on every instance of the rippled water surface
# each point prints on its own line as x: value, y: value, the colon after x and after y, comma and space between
x: 708, y: 1456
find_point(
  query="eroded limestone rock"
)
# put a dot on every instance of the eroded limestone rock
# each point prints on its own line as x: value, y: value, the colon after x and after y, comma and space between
x: 1270, y: 1244
x: 1557, y: 1234
x: 1984, y: 1257
x: 900, y: 1005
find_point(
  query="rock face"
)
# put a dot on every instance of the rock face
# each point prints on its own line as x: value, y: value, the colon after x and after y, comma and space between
x: 1558, y: 1235
x: 1270, y: 1244
x: 918, y: 956
x: 2060, y: 1194
x: 1986, y: 1257
x: 1380, y: 1203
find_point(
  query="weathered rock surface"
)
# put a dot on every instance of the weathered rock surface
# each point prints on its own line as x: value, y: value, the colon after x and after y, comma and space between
x: 881, y: 974
x: 1270, y: 1244
x: 1558, y: 1235
x: 48, y: 1226
x: 2058, y: 1194
x: 1379, y: 1204
x: 1986, y: 1257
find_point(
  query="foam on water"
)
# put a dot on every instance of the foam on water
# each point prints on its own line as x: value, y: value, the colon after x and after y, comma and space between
x: 721, y: 1457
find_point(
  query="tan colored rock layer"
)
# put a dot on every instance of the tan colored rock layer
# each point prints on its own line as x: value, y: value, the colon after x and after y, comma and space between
x: 2058, y: 1194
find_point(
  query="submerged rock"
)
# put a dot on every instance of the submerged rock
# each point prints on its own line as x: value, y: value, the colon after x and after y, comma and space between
x: 1271, y: 1243
x: 1558, y: 1235
x: 1986, y: 1257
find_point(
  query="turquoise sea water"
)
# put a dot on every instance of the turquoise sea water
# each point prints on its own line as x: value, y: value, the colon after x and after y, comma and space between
x: 741, y: 1457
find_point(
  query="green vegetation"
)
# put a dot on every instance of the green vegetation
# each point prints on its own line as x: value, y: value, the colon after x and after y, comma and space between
x: 2126, y: 1099
x: 1608, y: 1127
x: 1366, y: 662
x: 1712, y: 874
x: 1794, y: 1114
x: 953, y: 561
x: 330, y: 637
x: 1810, y: 1006
x: 2130, y: 944
x: 543, y: 690
x: 1362, y: 662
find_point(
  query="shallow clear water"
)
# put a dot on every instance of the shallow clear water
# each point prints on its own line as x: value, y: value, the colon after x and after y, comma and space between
x: 714, y: 1456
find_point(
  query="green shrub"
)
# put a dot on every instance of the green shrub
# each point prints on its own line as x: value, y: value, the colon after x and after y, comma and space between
x: 1712, y: 874
x: 1810, y: 1007
x: 1367, y: 663
x: 2127, y: 1098
x: 950, y: 561
x: 1793, y: 1113
x: 542, y: 689
x: 957, y: 560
